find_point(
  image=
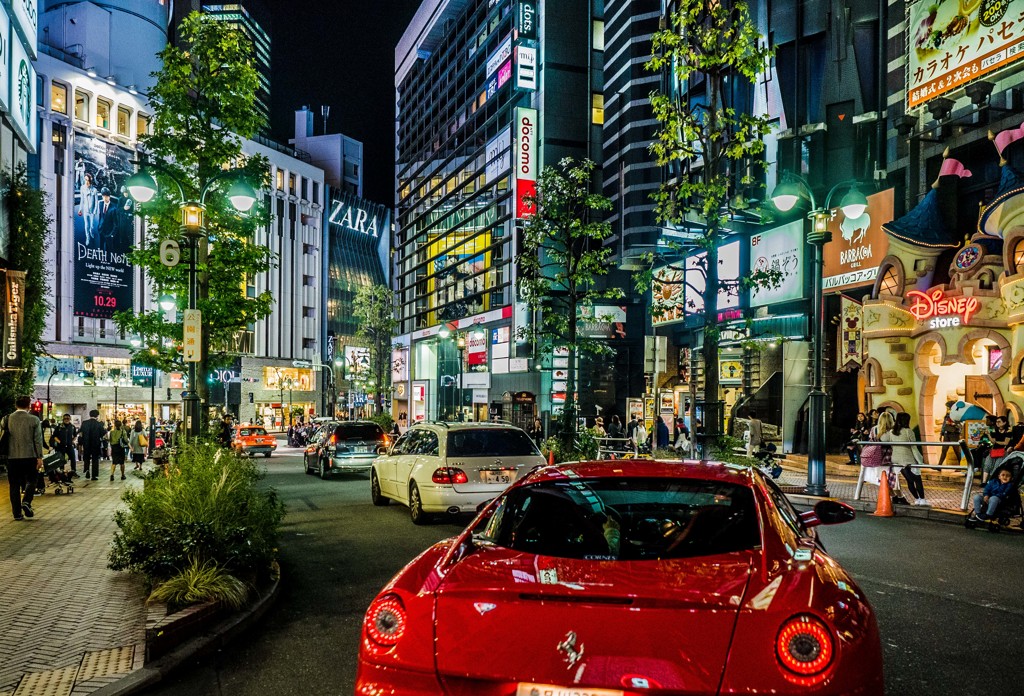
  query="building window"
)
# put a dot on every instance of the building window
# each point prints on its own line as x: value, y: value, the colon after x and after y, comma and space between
x: 597, y: 108
x: 81, y: 106
x: 291, y: 184
x: 141, y: 125
x: 59, y: 98
x: 316, y: 191
x: 279, y: 179
x: 598, y: 35
x: 309, y: 312
x: 308, y: 280
x: 124, y: 117
x: 1018, y: 257
x: 308, y: 249
x: 890, y: 284
x: 305, y: 188
x: 103, y: 114
x: 308, y: 343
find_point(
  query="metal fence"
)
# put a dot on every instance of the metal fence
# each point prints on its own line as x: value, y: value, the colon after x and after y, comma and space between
x: 949, y: 495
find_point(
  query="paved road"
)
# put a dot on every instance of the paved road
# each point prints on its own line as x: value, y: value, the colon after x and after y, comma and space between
x: 950, y: 601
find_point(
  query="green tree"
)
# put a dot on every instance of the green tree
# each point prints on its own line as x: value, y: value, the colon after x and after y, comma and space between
x: 203, y: 105
x: 29, y: 223
x: 562, y: 258
x: 374, y: 307
x: 706, y: 142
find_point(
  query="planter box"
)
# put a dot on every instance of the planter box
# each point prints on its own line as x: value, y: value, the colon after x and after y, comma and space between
x: 164, y: 631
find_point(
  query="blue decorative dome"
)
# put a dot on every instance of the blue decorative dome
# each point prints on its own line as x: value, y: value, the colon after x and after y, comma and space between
x: 1008, y: 198
x: 926, y: 225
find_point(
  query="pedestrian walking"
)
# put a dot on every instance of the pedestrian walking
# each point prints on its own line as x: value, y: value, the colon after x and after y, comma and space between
x: 118, y: 439
x: 615, y: 428
x: 137, y: 444
x: 950, y: 432
x: 907, y: 458
x: 227, y: 430
x: 639, y: 438
x: 536, y: 431
x: 23, y: 437
x: 754, y: 430
x: 90, y: 439
x: 63, y: 440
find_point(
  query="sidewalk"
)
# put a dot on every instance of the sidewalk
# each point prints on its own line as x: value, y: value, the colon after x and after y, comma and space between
x: 942, y: 490
x: 70, y: 625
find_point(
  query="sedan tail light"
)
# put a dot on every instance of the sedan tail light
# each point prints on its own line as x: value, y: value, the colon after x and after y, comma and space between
x: 385, y: 621
x: 449, y: 475
x: 804, y: 646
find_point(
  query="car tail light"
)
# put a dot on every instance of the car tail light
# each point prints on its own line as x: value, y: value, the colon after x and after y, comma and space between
x: 449, y: 474
x: 385, y: 621
x: 804, y: 646
x: 386, y: 441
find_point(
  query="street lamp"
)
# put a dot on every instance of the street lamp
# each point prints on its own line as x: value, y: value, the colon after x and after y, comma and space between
x: 143, y: 188
x: 49, y: 404
x: 853, y: 205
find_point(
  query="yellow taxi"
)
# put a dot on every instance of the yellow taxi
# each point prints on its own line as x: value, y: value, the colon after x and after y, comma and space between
x: 253, y: 440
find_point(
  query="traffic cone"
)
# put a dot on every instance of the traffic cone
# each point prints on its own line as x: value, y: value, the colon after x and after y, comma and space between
x: 551, y: 457
x: 884, y: 506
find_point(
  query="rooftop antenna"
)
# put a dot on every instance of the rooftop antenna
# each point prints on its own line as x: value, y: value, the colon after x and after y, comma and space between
x: 325, y: 111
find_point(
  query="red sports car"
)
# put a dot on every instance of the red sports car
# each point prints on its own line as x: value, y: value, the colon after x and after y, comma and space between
x: 612, y: 578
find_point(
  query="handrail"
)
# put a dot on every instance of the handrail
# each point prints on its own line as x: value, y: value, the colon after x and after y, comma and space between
x: 965, y: 451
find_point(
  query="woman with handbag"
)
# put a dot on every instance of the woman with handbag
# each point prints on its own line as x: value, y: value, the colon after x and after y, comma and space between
x: 138, y: 442
x: 1000, y: 437
x: 907, y: 457
x: 876, y: 458
x: 118, y: 437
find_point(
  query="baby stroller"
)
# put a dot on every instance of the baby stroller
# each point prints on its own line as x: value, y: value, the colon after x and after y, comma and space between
x: 765, y: 456
x: 1012, y: 507
x: 53, y: 469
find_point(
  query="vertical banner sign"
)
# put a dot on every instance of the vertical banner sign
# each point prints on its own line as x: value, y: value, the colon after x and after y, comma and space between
x: 851, y: 334
x: 22, y: 94
x: 26, y: 24
x: 5, y: 60
x: 526, y: 68
x: 104, y: 228
x: 14, y: 305
x: 526, y: 160
x: 192, y: 330
x: 526, y: 20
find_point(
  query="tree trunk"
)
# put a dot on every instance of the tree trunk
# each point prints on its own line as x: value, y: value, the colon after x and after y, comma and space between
x: 712, y: 164
x: 568, y: 434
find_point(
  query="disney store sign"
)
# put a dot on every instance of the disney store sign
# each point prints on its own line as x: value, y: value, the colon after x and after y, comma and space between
x: 943, y: 312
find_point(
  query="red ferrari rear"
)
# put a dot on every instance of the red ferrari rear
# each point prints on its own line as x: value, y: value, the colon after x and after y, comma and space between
x: 599, y: 582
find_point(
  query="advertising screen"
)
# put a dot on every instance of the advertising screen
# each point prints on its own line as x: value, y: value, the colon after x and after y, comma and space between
x: 104, y: 228
x: 958, y: 41
x: 782, y: 250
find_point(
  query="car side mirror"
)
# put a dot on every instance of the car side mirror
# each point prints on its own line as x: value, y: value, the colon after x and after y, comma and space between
x: 828, y: 512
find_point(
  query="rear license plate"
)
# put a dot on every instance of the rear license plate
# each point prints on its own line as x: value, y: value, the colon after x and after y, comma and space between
x: 528, y: 689
x: 498, y: 477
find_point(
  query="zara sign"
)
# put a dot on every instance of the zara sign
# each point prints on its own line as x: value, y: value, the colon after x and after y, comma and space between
x: 357, y: 215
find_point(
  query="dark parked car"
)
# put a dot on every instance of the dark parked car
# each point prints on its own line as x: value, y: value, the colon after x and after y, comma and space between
x: 344, y: 446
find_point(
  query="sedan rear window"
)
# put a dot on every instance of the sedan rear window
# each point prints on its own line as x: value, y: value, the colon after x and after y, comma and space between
x: 252, y: 431
x: 358, y: 431
x: 490, y: 442
x: 626, y: 519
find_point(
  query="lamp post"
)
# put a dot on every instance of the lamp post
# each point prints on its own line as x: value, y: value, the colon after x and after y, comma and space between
x: 853, y: 205
x: 142, y: 187
x: 460, y: 396
x: 49, y: 404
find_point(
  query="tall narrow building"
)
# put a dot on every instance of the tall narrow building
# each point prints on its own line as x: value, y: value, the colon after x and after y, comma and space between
x: 252, y: 18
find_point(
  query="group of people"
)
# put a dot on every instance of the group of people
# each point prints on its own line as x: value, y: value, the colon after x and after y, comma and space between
x: 634, y: 433
x: 28, y: 440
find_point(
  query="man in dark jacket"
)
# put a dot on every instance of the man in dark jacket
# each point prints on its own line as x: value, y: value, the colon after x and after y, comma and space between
x: 90, y: 437
x: 63, y: 440
x: 25, y: 456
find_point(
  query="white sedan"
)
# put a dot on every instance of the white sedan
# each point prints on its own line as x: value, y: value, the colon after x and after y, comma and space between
x: 451, y: 467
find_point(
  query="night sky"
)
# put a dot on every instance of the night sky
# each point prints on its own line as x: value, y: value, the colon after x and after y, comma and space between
x: 341, y: 53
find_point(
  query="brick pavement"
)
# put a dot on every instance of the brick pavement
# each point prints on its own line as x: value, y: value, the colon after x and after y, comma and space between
x: 70, y: 625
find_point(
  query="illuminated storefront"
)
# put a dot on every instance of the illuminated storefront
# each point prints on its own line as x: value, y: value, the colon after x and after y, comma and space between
x: 946, y: 319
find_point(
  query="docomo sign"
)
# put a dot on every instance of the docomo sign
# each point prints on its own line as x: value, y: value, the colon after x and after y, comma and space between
x: 526, y: 161
x: 936, y: 306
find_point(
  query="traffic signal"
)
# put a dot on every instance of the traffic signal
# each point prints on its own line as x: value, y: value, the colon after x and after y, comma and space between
x: 36, y: 409
x: 211, y: 378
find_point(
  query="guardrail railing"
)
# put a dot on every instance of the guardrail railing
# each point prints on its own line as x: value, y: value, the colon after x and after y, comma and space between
x: 965, y: 451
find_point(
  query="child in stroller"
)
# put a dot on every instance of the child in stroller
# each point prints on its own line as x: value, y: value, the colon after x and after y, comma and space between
x: 1001, y: 500
x: 765, y: 456
x: 53, y: 469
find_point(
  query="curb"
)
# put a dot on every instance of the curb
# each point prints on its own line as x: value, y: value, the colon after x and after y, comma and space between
x: 198, y: 646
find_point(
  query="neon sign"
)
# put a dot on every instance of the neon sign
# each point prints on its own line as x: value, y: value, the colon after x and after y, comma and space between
x: 936, y: 306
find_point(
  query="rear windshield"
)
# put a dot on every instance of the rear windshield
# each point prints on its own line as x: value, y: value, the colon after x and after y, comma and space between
x: 490, y: 442
x: 252, y: 431
x: 358, y: 431
x: 626, y: 519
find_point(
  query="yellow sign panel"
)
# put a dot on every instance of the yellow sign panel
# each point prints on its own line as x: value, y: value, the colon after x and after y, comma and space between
x: 192, y: 338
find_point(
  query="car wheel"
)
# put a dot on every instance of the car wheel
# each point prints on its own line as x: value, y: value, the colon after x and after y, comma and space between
x: 266, y: 455
x: 322, y: 470
x: 305, y: 465
x: 416, y: 506
x: 375, y: 495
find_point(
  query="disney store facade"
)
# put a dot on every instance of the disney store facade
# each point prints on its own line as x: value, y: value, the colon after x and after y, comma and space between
x: 945, y: 321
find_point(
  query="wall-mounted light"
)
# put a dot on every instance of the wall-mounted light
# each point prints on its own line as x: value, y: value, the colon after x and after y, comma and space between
x: 111, y: 81
x: 940, y: 108
x: 91, y: 72
x: 979, y: 92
